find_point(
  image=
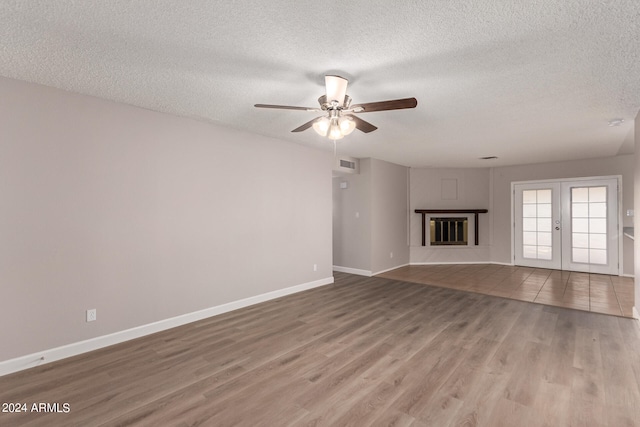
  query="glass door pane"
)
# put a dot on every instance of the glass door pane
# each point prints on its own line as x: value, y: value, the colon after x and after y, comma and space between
x: 589, y: 225
x: 536, y: 224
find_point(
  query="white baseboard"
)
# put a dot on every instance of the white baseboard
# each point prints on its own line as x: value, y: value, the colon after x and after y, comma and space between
x: 350, y: 270
x: 389, y: 269
x: 51, y: 355
x: 458, y: 262
x: 368, y: 273
x: 635, y: 313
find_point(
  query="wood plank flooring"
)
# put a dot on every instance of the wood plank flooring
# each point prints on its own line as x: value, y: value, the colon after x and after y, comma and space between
x: 598, y: 293
x: 363, y: 351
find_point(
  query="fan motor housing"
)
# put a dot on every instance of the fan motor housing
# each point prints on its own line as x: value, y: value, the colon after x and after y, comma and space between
x: 328, y: 106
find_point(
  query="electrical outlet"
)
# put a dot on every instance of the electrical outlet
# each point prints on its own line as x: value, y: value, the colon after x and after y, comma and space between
x: 91, y: 315
x: 390, y: 254
x: 315, y: 267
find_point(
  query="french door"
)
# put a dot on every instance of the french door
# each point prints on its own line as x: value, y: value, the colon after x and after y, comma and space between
x: 537, y: 214
x: 568, y: 225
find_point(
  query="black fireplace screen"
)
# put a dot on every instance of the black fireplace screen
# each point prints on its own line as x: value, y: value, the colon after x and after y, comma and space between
x: 448, y: 231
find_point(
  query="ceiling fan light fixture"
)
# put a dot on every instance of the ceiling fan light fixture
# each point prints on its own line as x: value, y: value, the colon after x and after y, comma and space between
x: 335, y: 132
x: 347, y: 125
x: 321, y: 126
x: 334, y: 127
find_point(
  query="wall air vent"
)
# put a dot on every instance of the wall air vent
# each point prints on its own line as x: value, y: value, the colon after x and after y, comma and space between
x: 346, y: 164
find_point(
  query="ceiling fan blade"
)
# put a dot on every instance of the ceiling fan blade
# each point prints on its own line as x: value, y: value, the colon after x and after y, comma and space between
x: 305, y: 126
x: 394, y: 104
x: 362, y: 125
x: 285, y: 107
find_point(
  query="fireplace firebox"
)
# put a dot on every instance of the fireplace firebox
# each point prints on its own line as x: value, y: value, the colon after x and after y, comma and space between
x: 448, y: 231
x: 425, y: 212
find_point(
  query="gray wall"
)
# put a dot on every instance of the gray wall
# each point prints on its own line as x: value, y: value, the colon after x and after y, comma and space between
x: 144, y: 216
x: 389, y: 216
x: 370, y: 218
x: 352, y: 219
x: 637, y: 209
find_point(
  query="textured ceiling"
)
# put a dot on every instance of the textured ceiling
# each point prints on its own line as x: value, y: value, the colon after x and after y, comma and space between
x: 527, y: 81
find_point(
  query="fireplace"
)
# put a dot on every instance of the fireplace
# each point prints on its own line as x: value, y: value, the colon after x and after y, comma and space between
x: 474, y: 229
x: 449, y: 231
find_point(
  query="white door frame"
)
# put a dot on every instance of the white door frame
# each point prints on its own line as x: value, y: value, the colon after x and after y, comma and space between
x: 561, y: 180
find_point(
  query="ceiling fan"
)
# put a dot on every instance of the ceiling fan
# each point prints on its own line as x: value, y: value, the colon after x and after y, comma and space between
x: 340, y: 119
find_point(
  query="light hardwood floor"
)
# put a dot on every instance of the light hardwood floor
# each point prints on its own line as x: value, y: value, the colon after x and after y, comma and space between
x: 597, y: 293
x: 363, y: 351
